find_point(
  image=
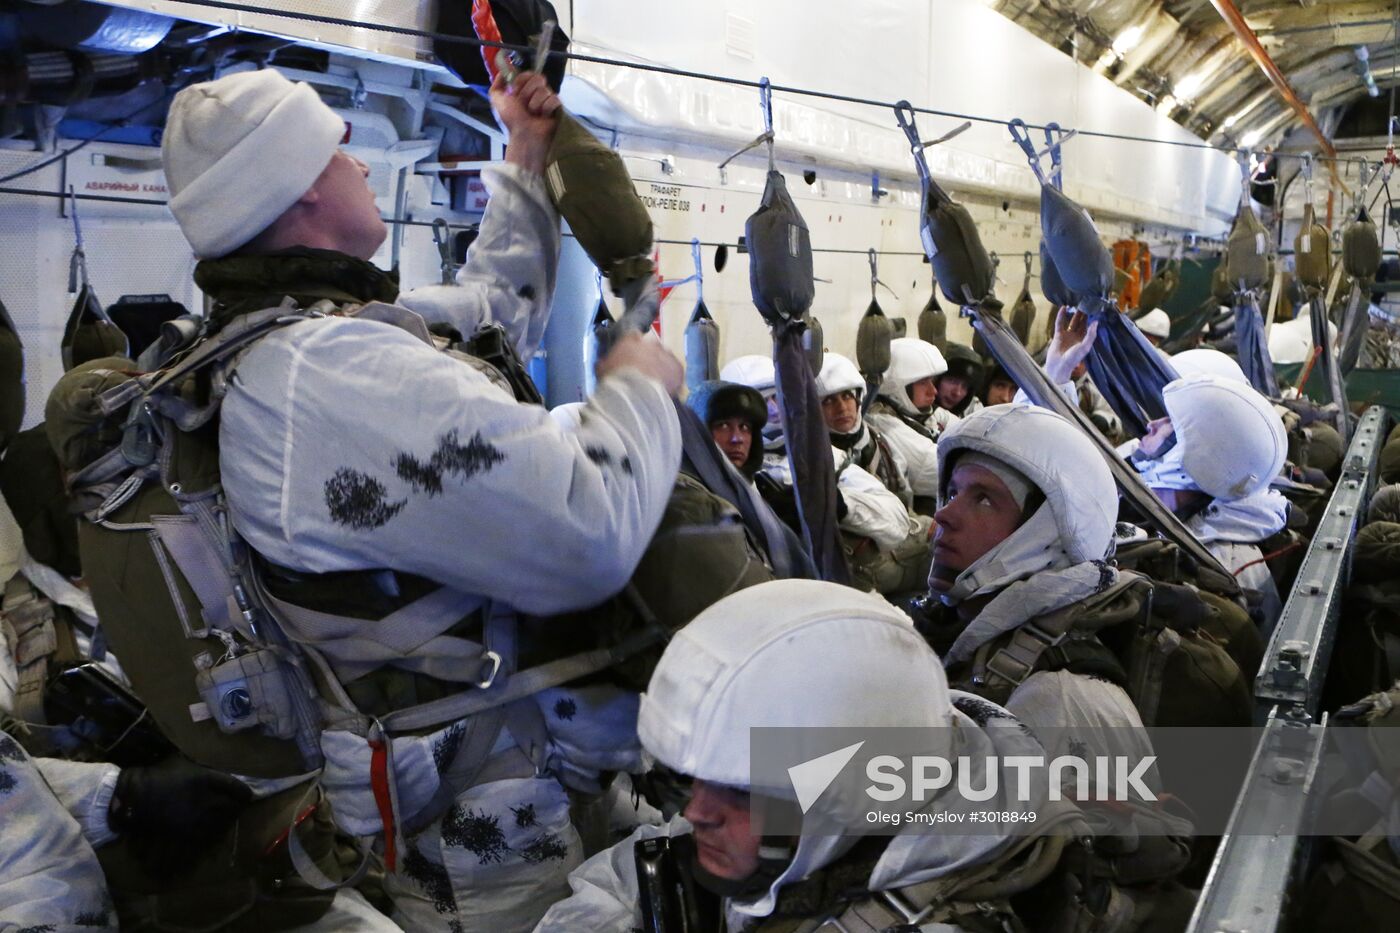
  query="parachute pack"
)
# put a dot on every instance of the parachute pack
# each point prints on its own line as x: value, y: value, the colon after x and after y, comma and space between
x: 1162, y: 652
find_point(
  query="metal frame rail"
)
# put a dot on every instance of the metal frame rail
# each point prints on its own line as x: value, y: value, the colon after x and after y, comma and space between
x: 1264, y: 854
x: 1301, y: 646
x: 1259, y: 856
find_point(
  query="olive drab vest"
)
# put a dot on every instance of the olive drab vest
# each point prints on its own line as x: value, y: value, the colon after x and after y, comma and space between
x: 976, y: 899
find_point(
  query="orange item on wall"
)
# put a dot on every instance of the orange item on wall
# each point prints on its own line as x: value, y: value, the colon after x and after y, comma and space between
x: 1134, y: 258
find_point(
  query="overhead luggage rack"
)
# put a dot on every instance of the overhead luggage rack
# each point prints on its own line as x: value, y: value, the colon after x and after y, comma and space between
x: 1296, y: 661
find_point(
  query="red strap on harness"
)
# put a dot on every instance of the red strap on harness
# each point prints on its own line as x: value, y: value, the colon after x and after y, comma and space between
x: 484, y: 22
x: 379, y: 783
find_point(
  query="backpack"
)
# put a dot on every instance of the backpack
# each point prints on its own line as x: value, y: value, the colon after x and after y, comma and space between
x: 1191, y: 590
x: 1176, y: 672
x: 251, y: 690
x: 195, y: 663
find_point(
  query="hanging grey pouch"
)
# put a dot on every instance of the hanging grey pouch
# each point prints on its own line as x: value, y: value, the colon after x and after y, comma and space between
x: 1082, y: 261
x: 1023, y: 317
x: 701, y: 347
x: 1052, y: 286
x: 1247, y: 251
x: 780, y: 255
x: 1361, y: 249
x: 933, y: 323
x: 960, y: 261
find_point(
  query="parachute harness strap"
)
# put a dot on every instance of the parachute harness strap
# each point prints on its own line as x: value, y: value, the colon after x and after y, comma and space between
x: 904, y: 115
x: 699, y: 275
x: 765, y: 104
x: 765, y: 101
x: 1307, y: 170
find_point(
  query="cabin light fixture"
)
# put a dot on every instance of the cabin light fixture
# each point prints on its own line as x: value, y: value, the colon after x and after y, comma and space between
x: 1189, y: 86
x: 1127, y: 40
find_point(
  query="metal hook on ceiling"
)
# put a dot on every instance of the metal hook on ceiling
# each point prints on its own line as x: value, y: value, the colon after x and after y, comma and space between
x: 874, y: 259
x: 77, y: 263
x: 765, y: 103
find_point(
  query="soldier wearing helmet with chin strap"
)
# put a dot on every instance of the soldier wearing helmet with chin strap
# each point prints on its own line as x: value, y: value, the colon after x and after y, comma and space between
x: 865, y: 506
x: 1211, y: 461
x: 804, y: 654
x: 905, y: 413
x: 903, y: 568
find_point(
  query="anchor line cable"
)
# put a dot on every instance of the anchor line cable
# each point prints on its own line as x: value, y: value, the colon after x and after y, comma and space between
x: 233, y: 6
x: 152, y: 202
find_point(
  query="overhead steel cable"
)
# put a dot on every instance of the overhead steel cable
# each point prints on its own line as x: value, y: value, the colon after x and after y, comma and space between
x: 322, y: 19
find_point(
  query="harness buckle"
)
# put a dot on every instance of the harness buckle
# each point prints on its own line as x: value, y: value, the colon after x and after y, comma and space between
x: 1017, y: 660
x: 492, y: 660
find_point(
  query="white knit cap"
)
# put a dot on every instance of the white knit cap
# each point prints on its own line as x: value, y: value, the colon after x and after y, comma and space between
x: 241, y: 150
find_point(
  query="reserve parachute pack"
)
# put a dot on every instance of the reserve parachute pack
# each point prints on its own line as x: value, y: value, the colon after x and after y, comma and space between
x: 1023, y: 311
x: 1312, y: 252
x: 1361, y: 248
x: 1161, y: 651
x: 1247, y: 250
x: 961, y: 264
x: 261, y: 673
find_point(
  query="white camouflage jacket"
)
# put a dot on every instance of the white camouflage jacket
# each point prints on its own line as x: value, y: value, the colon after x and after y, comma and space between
x: 348, y: 444
x: 871, y: 509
